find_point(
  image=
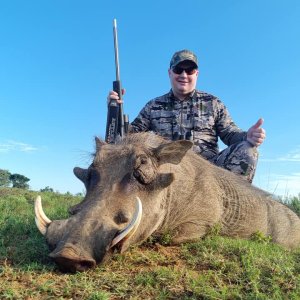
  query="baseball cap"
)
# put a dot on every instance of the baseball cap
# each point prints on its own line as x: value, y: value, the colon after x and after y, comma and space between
x: 181, y: 56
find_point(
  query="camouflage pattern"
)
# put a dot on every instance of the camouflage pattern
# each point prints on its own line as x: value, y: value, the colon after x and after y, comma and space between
x: 240, y: 158
x: 181, y: 56
x: 201, y: 118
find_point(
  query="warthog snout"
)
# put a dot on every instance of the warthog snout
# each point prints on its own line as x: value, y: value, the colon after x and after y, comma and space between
x: 71, y: 259
x: 80, y: 242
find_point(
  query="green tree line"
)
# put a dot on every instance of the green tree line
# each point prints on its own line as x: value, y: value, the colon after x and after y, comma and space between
x: 13, y: 180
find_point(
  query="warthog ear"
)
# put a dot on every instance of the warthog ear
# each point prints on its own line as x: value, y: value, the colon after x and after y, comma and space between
x: 99, y: 144
x: 172, y: 152
x: 81, y: 174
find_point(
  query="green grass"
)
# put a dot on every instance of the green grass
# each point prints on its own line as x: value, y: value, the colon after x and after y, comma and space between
x: 213, y: 268
x: 292, y: 202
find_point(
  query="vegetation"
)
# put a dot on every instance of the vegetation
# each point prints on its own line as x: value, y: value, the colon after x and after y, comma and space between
x: 15, y: 180
x: 19, y: 181
x: 292, y: 202
x: 213, y: 268
x: 4, y: 178
x: 47, y: 189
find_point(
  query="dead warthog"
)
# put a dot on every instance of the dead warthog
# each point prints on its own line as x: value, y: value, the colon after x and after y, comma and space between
x: 144, y: 185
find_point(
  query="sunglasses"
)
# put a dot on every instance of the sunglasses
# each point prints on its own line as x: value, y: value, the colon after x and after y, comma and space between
x: 188, y: 71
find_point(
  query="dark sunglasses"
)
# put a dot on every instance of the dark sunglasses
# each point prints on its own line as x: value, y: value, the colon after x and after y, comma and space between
x: 188, y: 71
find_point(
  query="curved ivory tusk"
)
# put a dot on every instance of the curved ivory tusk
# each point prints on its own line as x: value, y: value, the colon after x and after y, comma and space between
x: 132, y: 226
x: 41, y: 220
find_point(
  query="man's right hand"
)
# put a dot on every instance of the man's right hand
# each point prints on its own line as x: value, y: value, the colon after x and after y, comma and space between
x: 112, y: 95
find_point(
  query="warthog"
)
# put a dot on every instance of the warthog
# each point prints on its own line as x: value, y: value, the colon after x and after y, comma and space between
x: 144, y: 185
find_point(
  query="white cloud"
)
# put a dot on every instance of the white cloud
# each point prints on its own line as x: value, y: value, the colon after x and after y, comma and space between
x: 10, y: 146
x: 280, y: 184
x: 280, y: 175
x: 291, y: 156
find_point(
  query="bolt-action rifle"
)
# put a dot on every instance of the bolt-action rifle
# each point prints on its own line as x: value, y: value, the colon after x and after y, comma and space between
x: 117, y: 123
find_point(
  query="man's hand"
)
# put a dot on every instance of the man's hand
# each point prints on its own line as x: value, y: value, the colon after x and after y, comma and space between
x: 112, y: 95
x: 256, y: 134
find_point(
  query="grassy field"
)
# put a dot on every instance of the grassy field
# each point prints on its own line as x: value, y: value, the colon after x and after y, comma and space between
x: 213, y: 268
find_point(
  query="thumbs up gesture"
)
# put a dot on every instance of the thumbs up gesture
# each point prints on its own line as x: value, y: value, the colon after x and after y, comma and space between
x: 256, y: 134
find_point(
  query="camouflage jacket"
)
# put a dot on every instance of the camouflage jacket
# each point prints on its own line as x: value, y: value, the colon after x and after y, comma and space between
x: 201, y: 117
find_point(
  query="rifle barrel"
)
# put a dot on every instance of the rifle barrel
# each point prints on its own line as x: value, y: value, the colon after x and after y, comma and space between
x: 116, y: 50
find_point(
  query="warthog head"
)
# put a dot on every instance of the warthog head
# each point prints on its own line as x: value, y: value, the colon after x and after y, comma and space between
x: 125, y: 187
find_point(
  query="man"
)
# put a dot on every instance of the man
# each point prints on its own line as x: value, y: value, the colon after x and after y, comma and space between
x: 186, y: 113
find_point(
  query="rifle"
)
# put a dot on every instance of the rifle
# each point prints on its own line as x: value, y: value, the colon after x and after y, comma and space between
x: 117, y: 123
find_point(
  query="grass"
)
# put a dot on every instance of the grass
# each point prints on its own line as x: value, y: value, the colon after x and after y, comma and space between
x: 292, y: 202
x: 213, y: 268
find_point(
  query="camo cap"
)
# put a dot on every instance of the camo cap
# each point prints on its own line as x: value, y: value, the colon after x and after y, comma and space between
x: 181, y: 56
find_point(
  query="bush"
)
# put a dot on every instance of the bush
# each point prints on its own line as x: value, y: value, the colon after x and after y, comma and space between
x: 293, y: 202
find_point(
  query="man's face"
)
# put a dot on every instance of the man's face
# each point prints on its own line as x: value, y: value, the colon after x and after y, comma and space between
x: 183, y: 84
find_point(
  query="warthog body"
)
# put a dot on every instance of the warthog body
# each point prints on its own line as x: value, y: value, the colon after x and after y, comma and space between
x: 181, y: 193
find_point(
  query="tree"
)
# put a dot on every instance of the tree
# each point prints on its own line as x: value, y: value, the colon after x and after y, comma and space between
x: 4, y: 178
x: 47, y: 189
x: 19, y: 181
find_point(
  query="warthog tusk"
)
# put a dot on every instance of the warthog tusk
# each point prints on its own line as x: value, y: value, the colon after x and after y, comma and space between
x: 41, y: 220
x: 132, y: 226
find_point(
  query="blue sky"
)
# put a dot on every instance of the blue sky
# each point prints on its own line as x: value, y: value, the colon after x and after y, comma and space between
x: 57, y: 66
